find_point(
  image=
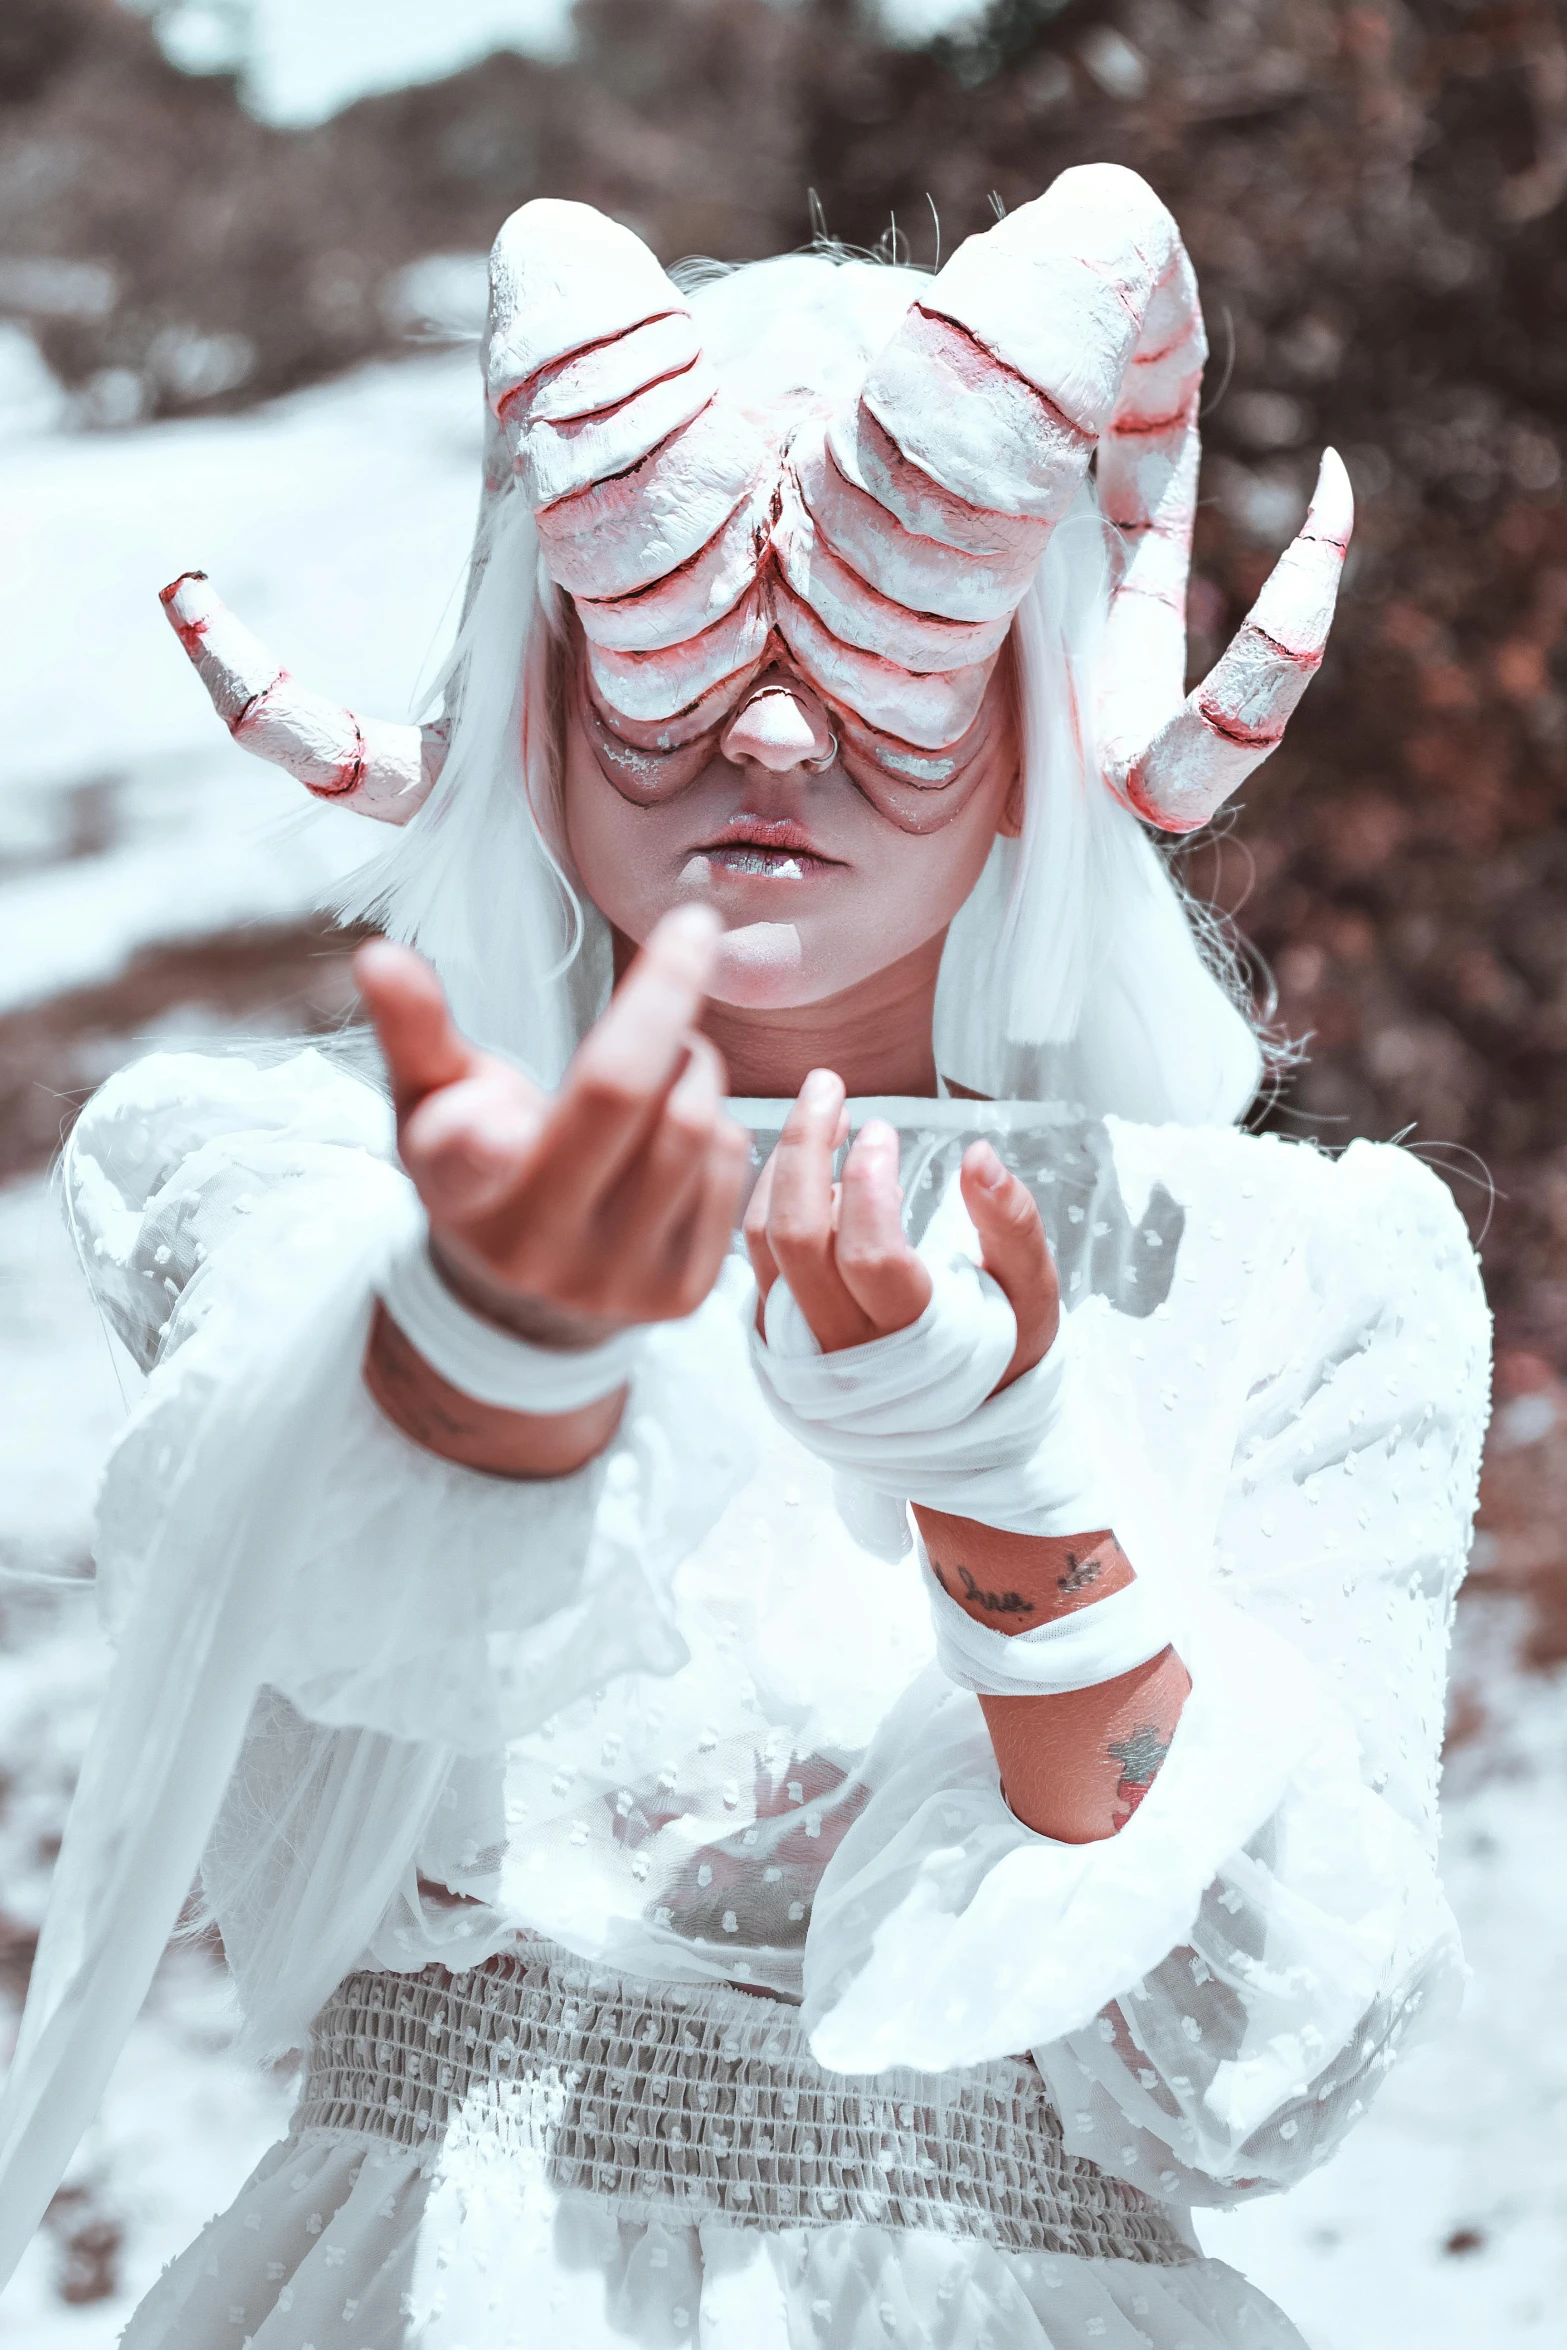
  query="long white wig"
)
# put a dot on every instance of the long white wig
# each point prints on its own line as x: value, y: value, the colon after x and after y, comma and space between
x: 1073, y: 973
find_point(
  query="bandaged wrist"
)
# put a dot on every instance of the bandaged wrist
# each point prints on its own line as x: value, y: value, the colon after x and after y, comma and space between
x: 493, y: 1365
x: 1094, y: 1643
x: 912, y: 1417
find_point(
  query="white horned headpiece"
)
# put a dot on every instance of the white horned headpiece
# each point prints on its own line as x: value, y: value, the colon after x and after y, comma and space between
x: 883, y: 544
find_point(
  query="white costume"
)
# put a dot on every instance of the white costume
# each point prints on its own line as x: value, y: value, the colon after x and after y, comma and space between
x: 671, y: 1965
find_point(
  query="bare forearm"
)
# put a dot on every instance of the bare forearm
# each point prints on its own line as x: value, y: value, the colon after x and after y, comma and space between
x: 441, y: 1418
x: 1075, y: 1766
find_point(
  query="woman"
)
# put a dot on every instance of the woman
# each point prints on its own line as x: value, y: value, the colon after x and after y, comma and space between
x: 699, y: 1930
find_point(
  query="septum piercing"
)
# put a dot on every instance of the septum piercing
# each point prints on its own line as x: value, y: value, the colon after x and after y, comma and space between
x: 817, y: 766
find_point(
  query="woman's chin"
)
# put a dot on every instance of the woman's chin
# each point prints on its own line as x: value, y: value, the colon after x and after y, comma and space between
x: 762, y: 967
x: 780, y: 966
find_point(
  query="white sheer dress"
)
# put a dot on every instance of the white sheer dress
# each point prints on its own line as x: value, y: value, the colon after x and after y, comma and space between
x: 656, y: 1738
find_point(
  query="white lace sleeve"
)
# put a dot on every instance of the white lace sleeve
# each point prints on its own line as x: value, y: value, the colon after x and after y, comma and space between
x: 172, y: 1154
x: 1214, y: 1993
x: 424, y: 1601
x: 261, y: 1528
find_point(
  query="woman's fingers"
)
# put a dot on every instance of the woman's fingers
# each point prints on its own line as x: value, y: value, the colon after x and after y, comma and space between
x: 465, y: 1120
x: 758, y: 1206
x: 655, y: 1194
x: 881, y: 1272
x: 423, y: 1047
x: 763, y: 1263
x: 1016, y: 1253
x: 800, y: 1214
x: 619, y: 1075
x: 704, y: 1241
x: 467, y: 1146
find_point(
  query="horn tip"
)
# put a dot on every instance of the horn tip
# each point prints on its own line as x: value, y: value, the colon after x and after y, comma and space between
x: 189, y: 606
x: 167, y: 595
x: 1332, y: 511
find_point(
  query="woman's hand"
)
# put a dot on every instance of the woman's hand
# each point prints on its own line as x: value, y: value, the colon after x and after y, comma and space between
x: 1076, y: 1766
x: 609, y: 1203
x: 842, y: 1249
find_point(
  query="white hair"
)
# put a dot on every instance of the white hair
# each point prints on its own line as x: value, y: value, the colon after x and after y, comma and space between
x: 1072, y: 973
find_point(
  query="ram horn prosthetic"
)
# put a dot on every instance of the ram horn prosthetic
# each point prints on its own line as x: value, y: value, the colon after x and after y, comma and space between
x: 883, y: 543
x: 1189, y: 762
x: 888, y: 543
x: 650, y: 491
x: 371, y: 765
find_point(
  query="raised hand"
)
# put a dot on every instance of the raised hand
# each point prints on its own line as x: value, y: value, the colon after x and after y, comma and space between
x: 842, y: 1248
x: 608, y: 1203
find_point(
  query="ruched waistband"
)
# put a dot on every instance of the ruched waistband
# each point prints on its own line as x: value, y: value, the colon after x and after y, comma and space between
x: 696, y: 2102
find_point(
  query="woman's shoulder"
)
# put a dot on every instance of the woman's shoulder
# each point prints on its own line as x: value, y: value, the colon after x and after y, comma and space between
x: 1375, y: 1188
x: 1373, y: 1222
x: 152, y: 1116
x: 173, y: 1154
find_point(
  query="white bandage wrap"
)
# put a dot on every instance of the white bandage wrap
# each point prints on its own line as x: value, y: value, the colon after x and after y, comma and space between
x: 493, y: 1365
x: 908, y: 1415
x: 911, y: 1418
x: 1097, y: 1642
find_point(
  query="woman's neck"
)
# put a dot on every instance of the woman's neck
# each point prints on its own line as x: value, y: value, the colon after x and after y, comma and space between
x: 876, y: 1034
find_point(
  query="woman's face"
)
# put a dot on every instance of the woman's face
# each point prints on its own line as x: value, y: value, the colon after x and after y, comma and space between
x: 826, y: 864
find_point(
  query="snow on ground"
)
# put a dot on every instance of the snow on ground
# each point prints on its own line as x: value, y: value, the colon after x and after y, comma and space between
x: 337, y: 523
x: 1443, y: 2221
x: 183, y: 2122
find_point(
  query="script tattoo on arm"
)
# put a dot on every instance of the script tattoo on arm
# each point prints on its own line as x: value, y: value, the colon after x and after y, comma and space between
x: 996, y: 1603
x: 1084, y: 1571
x: 1017, y: 1581
x: 1075, y: 1765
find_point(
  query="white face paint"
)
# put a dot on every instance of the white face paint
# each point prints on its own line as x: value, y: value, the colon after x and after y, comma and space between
x: 875, y: 538
x: 775, y: 821
x: 880, y: 540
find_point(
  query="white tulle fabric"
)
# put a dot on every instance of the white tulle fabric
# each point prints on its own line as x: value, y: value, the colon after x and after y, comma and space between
x: 912, y: 1416
x: 670, y: 1714
x: 663, y: 2164
x: 349, y: 2246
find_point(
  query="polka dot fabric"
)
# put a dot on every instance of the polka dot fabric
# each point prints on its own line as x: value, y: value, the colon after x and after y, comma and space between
x: 669, y: 1715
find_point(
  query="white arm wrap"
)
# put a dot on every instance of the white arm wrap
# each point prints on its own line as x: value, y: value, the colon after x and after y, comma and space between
x: 908, y: 1415
x: 911, y: 1418
x: 1097, y: 1642
x: 493, y: 1365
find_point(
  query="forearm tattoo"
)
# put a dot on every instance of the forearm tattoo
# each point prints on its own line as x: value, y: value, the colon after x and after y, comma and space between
x: 1081, y: 1572
x: 416, y: 1399
x: 1075, y: 1765
x: 996, y: 1603
x: 1141, y: 1757
x: 458, y: 1427
x: 1058, y: 1576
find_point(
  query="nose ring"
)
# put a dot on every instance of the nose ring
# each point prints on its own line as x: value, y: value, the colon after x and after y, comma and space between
x: 817, y: 766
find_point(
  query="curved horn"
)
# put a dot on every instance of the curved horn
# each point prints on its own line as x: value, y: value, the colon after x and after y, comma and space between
x: 922, y: 512
x: 1179, y: 769
x: 371, y: 765
x: 935, y: 492
x: 647, y: 486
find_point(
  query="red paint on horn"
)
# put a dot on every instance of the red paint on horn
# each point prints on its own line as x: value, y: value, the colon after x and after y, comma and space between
x: 350, y: 775
x: 257, y: 702
x: 191, y: 633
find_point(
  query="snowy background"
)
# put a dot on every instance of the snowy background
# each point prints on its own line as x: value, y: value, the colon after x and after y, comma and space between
x: 154, y: 885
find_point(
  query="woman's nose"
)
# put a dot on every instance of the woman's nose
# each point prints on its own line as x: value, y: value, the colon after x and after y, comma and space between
x: 778, y: 728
